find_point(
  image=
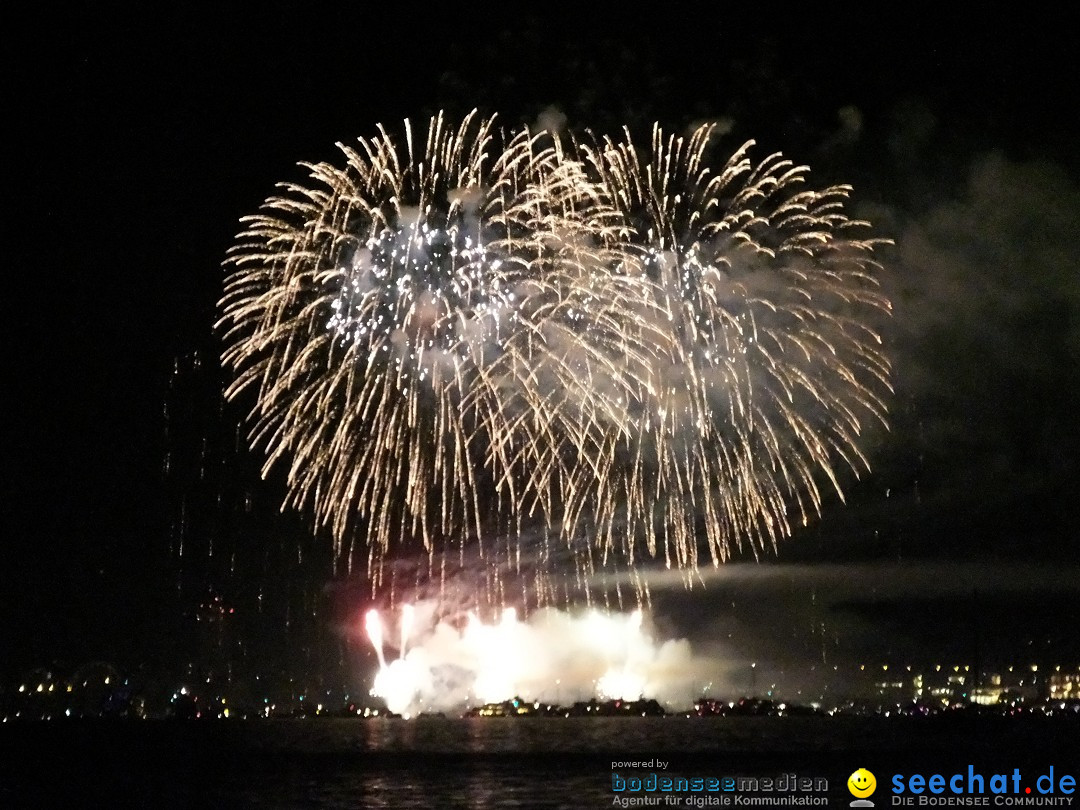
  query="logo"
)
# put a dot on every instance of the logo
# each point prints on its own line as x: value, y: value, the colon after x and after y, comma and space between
x: 861, y: 785
x: 971, y: 788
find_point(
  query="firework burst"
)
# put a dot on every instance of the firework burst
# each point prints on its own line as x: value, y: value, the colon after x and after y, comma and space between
x: 615, y: 353
x: 771, y: 366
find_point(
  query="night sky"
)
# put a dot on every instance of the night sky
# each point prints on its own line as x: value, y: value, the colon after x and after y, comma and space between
x: 136, y: 141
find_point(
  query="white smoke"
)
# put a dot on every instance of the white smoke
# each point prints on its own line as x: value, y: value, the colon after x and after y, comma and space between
x: 554, y: 656
x: 551, y: 119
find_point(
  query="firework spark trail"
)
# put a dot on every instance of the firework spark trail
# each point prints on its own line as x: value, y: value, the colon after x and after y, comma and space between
x: 455, y: 344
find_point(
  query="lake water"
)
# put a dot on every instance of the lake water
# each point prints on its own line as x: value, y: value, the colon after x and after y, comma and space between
x: 487, y: 763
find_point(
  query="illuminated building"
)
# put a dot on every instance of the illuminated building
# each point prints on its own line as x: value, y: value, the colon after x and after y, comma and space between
x: 1065, y: 685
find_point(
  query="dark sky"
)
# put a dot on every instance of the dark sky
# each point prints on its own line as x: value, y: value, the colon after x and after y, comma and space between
x: 136, y: 140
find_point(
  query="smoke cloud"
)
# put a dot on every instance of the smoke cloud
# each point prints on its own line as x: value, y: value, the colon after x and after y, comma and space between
x: 554, y: 656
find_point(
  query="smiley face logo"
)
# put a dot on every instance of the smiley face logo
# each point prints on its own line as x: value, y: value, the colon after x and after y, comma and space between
x: 861, y: 783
